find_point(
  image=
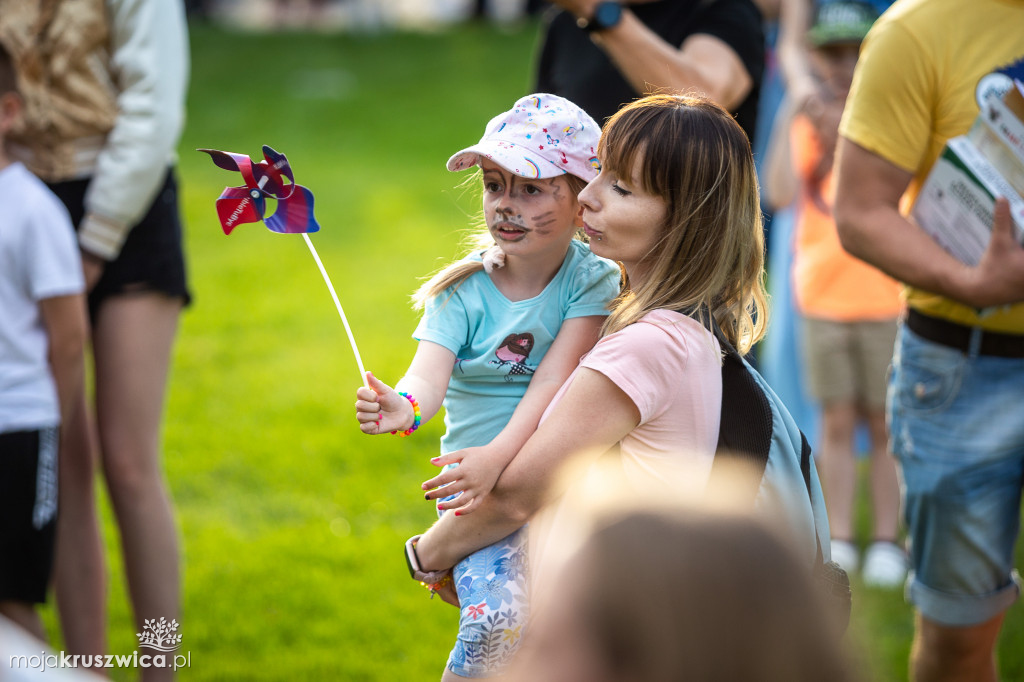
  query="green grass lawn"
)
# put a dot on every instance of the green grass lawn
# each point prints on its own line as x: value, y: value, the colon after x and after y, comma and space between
x: 291, y: 520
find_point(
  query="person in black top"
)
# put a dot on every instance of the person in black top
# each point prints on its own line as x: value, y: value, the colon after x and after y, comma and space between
x: 602, y: 55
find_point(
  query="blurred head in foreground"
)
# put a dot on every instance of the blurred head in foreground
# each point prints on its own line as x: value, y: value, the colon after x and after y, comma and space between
x: 663, y: 590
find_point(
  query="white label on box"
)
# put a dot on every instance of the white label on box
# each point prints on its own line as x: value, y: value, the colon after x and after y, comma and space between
x: 1009, y: 129
x: 955, y: 204
x: 999, y: 136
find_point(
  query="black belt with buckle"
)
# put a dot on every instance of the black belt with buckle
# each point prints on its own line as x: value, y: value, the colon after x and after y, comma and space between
x: 958, y: 336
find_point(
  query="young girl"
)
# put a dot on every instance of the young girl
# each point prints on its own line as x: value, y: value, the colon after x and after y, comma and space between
x: 676, y: 202
x: 501, y: 331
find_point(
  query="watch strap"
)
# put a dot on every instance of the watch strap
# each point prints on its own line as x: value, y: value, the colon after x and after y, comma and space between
x: 412, y: 559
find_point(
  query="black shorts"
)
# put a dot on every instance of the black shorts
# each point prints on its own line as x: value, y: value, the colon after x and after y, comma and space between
x: 152, y: 258
x: 28, y: 513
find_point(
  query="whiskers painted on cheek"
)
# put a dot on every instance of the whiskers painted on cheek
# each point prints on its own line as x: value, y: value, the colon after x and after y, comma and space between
x: 544, y: 219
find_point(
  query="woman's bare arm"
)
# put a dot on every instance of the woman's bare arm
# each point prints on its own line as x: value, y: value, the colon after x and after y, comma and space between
x: 593, y: 415
x: 480, y: 467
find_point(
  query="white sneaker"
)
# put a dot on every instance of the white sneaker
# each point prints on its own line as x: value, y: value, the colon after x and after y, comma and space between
x: 845, y: 554
x: 885, y: 565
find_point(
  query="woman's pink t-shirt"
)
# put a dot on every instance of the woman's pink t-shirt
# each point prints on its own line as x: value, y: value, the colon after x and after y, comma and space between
x: 670, y: 367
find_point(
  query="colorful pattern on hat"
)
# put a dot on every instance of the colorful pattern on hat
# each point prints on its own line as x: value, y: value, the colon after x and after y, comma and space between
x: 542, y: 136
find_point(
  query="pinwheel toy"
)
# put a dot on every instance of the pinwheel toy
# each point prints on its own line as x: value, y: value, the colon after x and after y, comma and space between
x: 273, y: 178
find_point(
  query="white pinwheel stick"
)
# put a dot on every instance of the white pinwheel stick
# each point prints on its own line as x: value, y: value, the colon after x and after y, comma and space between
x: 337, y: 303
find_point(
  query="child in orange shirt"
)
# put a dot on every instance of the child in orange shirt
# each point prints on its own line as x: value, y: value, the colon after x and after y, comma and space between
x: 849, y: 309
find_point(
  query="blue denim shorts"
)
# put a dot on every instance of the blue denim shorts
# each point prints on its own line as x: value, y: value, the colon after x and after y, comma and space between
x: 957, y: 428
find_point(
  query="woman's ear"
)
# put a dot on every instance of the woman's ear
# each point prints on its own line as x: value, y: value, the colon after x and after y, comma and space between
x: 578, y: 220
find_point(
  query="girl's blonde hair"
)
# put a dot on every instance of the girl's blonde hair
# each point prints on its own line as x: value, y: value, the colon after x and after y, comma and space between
x: 710, y: 255
x: 453, y: 274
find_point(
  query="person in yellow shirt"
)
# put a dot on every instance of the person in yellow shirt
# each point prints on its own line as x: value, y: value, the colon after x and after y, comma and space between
x: 957, y: 384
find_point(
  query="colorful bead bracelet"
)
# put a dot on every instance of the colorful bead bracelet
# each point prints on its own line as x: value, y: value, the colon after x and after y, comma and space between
x: 434, y: 588
x: 417, y: 417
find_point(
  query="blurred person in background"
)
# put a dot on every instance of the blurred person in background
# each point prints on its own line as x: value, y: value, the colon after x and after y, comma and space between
x: 603, y: 54
x: 23, y: 657
x: 957, y: 382
x: 637, y: 584
x: 795, y: 19
x: 779, y: 358
x: 849, y: 309
x: 104, y: 84
x: 42, y: 378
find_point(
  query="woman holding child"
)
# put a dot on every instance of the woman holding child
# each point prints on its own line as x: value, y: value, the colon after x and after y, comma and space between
x: 676, y: 204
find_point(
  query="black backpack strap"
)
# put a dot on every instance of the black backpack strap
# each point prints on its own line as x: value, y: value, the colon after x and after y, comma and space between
x: 805, y: 462
x: 745, y: 434
x: 805, y: 471
x: 745, y: 424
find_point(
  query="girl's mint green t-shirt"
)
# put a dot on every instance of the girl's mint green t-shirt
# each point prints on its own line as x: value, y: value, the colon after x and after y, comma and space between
x: 498, y: 343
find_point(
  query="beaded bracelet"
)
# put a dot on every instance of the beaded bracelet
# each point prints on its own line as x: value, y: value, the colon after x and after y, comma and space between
x: 439, y: 585
x: 432, y: 580
x: 417, y: 417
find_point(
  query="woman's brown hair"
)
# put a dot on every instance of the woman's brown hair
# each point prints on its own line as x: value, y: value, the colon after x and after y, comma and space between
x: 710, y: 255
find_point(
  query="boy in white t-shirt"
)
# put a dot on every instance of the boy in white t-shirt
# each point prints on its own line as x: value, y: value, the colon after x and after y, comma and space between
x: 42, y: 337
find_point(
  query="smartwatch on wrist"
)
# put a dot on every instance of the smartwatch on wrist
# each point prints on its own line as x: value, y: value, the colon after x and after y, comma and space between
x: 416, y: 572
x: 606, y: 15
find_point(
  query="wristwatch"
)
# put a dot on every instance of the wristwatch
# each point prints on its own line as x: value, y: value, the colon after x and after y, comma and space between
x: 429, y: 578
x: 606, y: 15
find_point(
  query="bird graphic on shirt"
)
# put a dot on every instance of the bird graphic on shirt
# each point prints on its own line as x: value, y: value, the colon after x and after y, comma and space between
x: 513, y: 352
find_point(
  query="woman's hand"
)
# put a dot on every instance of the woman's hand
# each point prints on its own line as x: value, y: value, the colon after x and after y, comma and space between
x: 380, y: 409
x: 446, y: 591
x: 478, y: 471
x: 92, y: 269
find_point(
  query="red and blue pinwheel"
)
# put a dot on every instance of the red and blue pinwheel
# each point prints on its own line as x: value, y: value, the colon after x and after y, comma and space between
x: 272, y: 178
